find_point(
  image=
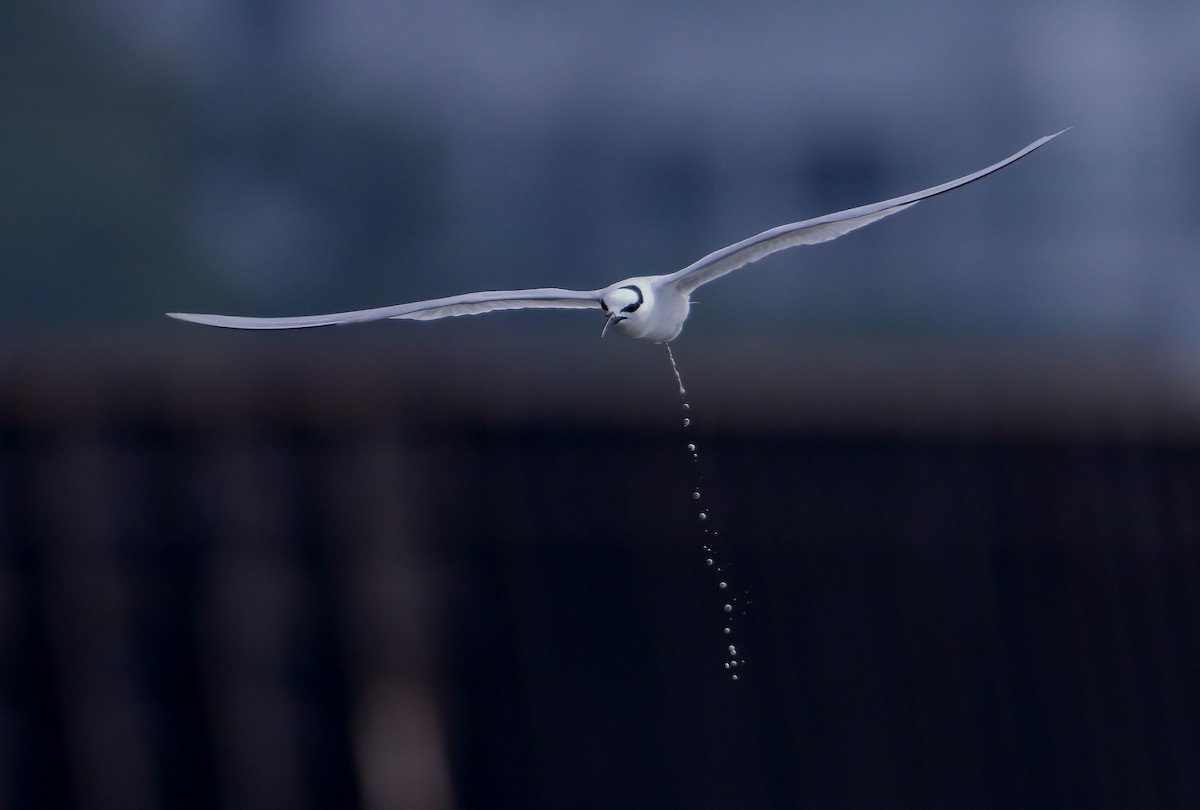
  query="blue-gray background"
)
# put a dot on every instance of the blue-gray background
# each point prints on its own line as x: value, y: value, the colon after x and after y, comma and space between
x: 401, y: 565
x: 292, y: 157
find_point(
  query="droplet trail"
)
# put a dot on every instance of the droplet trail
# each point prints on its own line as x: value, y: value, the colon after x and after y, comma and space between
x: 675, y: 368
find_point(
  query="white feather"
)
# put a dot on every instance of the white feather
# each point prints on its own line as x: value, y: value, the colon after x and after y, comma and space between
x: 820, y: 229
x: 468, y: 304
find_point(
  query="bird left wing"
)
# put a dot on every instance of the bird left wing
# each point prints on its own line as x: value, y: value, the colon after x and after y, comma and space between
x: 468, y: 304
x: 820, y: 229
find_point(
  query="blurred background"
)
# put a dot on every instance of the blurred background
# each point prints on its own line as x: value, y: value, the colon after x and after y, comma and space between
x: 953, y: 459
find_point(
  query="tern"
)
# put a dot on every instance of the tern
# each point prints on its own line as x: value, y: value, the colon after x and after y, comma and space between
x: 650, y: 308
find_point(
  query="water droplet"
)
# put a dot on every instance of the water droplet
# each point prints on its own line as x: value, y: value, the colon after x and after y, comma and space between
x: 722, y: 585
x: 733, y: 663
x: 708, y: 561
x: 696, y: 495
x: 691, y: 448
x: 687, y: 407
x: 726, y: 665
x: 686, y: 421
x: 732, y: 650
x: 729, y: 608
x: 735, y: 677
x: 728, y: 631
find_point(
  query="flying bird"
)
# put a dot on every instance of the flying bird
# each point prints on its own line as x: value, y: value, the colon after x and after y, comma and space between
x: 650, y: 308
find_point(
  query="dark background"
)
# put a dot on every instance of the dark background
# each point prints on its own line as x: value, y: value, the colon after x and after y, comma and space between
x: 953, y: 459
x: 248, y: 584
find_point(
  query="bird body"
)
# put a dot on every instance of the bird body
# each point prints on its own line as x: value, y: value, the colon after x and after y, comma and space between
x: 650, y: 308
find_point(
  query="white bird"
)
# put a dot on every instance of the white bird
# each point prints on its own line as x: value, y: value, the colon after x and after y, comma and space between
x: 647, y: 307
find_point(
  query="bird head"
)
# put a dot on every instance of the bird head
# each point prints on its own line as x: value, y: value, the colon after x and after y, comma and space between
x: 623, y: 304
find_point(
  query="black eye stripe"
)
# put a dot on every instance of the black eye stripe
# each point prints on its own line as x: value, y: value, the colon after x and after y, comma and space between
x: 634, y: 306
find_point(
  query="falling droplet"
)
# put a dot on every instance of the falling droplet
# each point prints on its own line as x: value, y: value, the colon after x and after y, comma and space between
x: 722, y: 585
x: 696, y: 495
x: 733, y: 663
x: 686, y: 421
x: 735, y: 677
x: 726, y: 665
x: 703, y: 516
x: 732, y: 650
x: 728, y: 631
x: 687, y: 407
x: 675, y: 368
x: 729, y: 608
x: 708, y: 561
x: 691, y: 448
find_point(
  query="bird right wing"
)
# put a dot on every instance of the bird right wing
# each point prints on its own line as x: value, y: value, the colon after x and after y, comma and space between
x: 467, y: 304
x: 820, y: 229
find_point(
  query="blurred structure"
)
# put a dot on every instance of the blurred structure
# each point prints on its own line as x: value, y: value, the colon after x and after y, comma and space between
x: 324, y: 580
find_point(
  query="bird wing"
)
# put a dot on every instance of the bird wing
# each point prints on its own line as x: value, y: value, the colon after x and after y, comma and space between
x: 820, y: 229
x: 467, y: 304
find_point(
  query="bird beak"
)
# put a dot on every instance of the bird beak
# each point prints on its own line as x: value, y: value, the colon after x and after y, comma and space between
x: 611, y: 319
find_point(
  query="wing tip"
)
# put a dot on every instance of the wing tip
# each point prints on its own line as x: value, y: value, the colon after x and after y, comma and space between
x: 185, y: 316
x: 222, y: 321
x: 1047, y: 138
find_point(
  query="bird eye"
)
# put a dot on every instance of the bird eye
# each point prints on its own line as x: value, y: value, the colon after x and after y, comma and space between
x: 604, y: 306
x: 632, y: 307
